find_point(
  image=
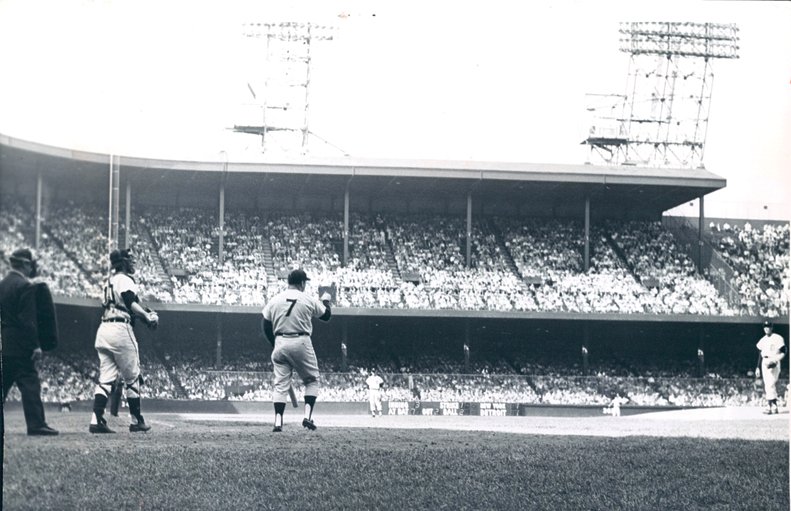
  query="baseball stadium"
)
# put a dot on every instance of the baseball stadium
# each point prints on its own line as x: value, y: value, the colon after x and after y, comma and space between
x: 549, y: 336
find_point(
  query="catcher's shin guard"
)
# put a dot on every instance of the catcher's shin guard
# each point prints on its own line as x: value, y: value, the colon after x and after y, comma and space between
x: 115, y: 397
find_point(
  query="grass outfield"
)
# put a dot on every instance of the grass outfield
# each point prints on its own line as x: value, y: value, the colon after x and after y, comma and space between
x: 241, y: 465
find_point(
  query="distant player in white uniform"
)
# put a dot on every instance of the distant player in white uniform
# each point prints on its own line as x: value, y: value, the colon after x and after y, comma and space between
x: 116, y: 343
x: 773, y: 350
x: 287, y: 326
x: 374, y: 383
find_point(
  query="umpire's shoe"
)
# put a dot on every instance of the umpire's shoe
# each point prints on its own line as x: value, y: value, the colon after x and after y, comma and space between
x: 140, y: 426
x: 100, y: 428
x: 42, y: 431
x: 277, y: 429
x: 308, y: 424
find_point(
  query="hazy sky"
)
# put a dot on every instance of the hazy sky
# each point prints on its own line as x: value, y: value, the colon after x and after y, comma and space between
x: 488, y: 81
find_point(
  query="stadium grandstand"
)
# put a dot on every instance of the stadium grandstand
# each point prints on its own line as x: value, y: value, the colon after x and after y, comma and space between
x: 459, y: 281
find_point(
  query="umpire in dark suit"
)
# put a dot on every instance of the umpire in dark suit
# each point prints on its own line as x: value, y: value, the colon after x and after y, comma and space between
x: 20, y: 319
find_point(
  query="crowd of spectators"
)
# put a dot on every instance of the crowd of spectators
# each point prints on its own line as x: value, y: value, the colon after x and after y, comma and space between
x: 57, y: 268
x: 69, y: 377
x: 635, y: 267
x: 652, y: 253
x: 68, y: 381
x: 188, y: 240
x: 82, y: 230
x: 536, y: 379
x: 760, y: 262
x: 151, y: 286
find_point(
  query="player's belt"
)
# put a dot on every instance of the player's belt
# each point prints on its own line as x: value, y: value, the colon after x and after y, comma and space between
x: 116, y: 320
x: 293, y: 334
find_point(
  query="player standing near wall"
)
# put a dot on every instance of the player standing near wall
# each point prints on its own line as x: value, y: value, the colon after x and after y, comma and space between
x: 287, y: 326
x: 374, y: 383
x: 773, y: 350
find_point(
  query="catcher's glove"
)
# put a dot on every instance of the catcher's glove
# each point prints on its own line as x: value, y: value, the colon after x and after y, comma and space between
x: 152, y: 321
x: 771, y: 365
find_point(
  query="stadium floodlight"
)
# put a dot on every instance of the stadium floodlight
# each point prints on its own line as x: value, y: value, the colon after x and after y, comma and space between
x: 665, y: 112
x: 286, y: 71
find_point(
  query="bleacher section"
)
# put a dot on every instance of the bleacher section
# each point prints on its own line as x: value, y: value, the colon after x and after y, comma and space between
x: 522, y: 264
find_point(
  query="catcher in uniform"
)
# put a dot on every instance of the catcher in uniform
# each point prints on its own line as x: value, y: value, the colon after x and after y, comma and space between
x: 287, y: 326
x: 773, y: 350
x: 116, y: 343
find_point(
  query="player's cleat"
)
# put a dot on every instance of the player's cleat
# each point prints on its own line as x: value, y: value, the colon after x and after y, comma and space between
x: 768, y: 411
x: 277, y: 429
x: 42, y: 431
x: 100, y: 428
x: 308, y: 424
x: 141, y: 426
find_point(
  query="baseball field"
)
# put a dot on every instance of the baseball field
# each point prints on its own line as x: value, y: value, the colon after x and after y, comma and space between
x: 690, y: 459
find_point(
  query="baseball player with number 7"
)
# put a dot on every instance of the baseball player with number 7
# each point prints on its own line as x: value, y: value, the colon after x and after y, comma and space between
x: 287, y: 326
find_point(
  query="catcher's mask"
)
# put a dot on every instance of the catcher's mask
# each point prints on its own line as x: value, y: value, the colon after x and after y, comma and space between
x: 122, y: 260
x: 22, y: 256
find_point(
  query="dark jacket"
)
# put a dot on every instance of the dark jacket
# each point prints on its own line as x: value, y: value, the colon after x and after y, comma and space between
x: 18, y: 318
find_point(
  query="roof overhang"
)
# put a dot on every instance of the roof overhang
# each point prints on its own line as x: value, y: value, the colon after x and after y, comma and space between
x: 655, y: 188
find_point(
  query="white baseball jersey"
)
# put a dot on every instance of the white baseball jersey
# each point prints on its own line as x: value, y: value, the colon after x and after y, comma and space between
x: 374, y: 382
x: 770, y: 345
x: 113, y: 303
x: 291, y: 312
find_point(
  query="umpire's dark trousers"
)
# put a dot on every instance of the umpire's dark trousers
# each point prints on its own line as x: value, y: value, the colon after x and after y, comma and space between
x: 22, y: 371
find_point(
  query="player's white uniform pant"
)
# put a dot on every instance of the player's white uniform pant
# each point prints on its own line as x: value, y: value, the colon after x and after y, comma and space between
x: 375, y: 399
x: 294, y: 354
x: 118, y: 353
x: 770, y: 379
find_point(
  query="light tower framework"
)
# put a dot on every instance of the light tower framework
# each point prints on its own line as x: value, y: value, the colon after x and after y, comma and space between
x: 663, y: 118
x: 282, y: 90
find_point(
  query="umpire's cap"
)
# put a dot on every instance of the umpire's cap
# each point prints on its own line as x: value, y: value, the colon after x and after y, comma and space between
x: 117, y: 257
x: 297, y: 277
x: 21, y: 255
x: 769, y: 324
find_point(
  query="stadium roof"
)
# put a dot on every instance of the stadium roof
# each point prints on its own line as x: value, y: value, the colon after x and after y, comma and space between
x: 653, y: 189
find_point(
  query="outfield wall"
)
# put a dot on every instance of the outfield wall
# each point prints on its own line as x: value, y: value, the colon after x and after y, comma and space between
x: 421, y: 408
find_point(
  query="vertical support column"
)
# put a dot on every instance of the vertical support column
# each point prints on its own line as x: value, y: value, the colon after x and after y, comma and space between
x: 701, y: 222
x: 344, y: 341
x: 110, y: 210
x: 701, y: 353
x: 218, y: 363
x: 467, y: 346
x: 469, y: 227
x: 222, y: 217
x: 116, y: 202
x: 128, y: 213
x: 346, y: 227
x: 587, y: 233
x: 585, y: 343
x: 39, y: 186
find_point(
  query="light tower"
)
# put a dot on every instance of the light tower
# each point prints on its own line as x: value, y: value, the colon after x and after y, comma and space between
x: 662, y: 119
x: 282, y: 91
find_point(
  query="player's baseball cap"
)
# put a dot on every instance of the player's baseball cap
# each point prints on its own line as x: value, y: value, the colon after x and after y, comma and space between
x: 768, y: 324
x: 297, y: 277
